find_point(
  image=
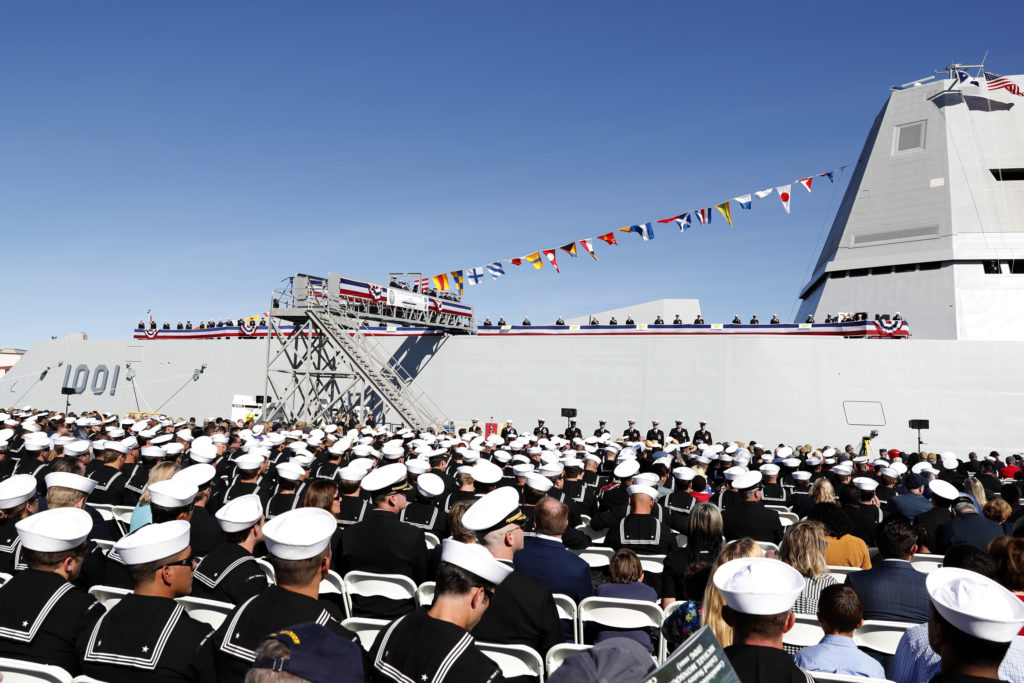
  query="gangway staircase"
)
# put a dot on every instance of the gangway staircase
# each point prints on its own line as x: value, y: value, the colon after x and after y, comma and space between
x: 325, y: 366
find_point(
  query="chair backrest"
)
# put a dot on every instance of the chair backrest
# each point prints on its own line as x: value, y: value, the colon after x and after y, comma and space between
x: 597, y: 556
x: 332, y: 583
x: 837, y: 569
x: 788, y: 518
x: 767, y: 545
x: 212, y: 612
x: 425, y: 593
x: 595, y: 536
x: 109, y: 595
x: 568, y: 611
x: 104, y: 544
x: 881, y: 636
x: 365, y: 584
x: 557, y: 654
x: 843, y: 678
x: 805, y: 632
x: 621, y: 613
x: 584, y: 520
x: 514, y: 660
x: 432, y: 540
x: 777, y: 508
x: 86, y: 679
x: 926, y: 563
x: 123, y: 515
x: 681, y: 540
x: 268, y: 569
x: 652, y: 564
x: 366, y: 629
x: 18, y: 671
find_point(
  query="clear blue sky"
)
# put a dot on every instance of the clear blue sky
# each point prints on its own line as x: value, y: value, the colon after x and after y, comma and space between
x: 186, y: 156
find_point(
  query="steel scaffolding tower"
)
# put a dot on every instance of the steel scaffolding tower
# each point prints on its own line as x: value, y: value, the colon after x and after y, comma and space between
x: 325, y: 365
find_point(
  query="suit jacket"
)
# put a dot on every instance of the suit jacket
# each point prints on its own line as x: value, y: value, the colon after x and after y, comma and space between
x: 550, y: 563
x: 970, y: 528
x: 747, y: 518
x: 892, y: 591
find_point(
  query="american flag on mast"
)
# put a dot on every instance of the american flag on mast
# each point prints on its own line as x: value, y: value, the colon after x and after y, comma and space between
x: 997, y: 82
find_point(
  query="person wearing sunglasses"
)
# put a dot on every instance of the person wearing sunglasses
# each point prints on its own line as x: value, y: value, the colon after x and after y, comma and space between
x: 147, y: 636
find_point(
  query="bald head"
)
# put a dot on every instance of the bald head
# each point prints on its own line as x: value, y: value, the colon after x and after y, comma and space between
x: 552, y: 517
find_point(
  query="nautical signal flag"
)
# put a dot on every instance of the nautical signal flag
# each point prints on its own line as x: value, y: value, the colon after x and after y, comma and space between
x: 645, y: 230
x: 726, y: 212
x: 495, y: 269
x: 830, y: 175
x: 761, y: 194
x: 588, y: 244
x: 534, y: 259
x: 550, y: 254
x: 705, y: 216
x: 457, y: 279
x: 608, y: 237
x: 685, y: 221
x: 569, y: 249
x: 784, y: 196
x: 743, y: 201
x: 475, y: 276
x: 806, y: 182
x: 515, y: 261
x: 440, y: 282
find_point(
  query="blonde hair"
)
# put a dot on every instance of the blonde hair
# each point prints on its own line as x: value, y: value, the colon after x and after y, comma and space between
x: 997, y: 510
x: 62, y: 497
x: 803, y: 548
x: 974, y: 487
x: 162, y: 471
x: 822, y: 491
x: 459, y: 532
x: 711, y: 606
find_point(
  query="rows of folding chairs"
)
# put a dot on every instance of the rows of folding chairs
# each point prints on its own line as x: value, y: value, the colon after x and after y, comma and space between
x: 212, y: 612
x: 879, y: 636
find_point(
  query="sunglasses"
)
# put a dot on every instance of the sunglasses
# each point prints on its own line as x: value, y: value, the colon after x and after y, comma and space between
x: 489, y: 592
x: 187, y: 562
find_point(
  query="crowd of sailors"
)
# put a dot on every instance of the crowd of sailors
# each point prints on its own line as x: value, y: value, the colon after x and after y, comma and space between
x: 261, y: 518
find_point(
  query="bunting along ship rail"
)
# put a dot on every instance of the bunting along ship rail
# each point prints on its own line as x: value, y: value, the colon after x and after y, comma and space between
x: 930, y: 225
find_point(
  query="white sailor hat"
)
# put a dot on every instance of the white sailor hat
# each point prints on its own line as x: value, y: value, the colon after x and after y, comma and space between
x: 642, y: 489
x: 733, y: 472
x: 769, y: 470
x: 783, y: 452
x: 684, y: 473
x: 865, y: 483
x: 843, y: 470
x: 475, y: 559
x: 153, y: 542
x: 891, y: 472
x: 54, y: 530
x: 538, y: 482
x: 174, y: 449
x: 572, y: 462
x: 205, y: 452
x: 591, y: 457
x: 860, y: 459
x: 430, y: 485
x: 219, y: 438
x: 646, y: 479
x: 665, y: 460
x: 17, y: 489
x: 703, y: 460
x: 115, y: 432
x: 522, y: 469
x: 291, y: 471
x: 791, y: 463
x: 130, y: 442
x: 70, y: 480
x: 391, y: 478
x: 943, y: 489
x: 299, y: 534
x: 240, y: 513
x: 759, y: 585
x: 551, y: 469
x: 249, y: 461
x: 37, y: 441
x: 747, y: 481
x: 351, y: 473
x: 184, y: 434
x: 365, y: 464
x: 417, y: 466
x: 150, y: 452
x: 923, y: 466
x: 162, y: 439
x: 173, y: 492
x: 626, y: 469
x: 950, y: 463
x: 502, y: 456
x: 802, y: 475
x: 812, y: 461
x: 724, y: 457
x: 486, y: 473
x: 975, y: 604
x: 392, y: 451
x: 199, y: 474
x: 495, y: 510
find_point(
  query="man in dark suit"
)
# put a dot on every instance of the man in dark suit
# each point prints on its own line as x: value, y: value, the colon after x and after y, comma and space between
x: 893, y: 590
x: 967, y: 526
x: 545, y: 558
x: 749, y: 517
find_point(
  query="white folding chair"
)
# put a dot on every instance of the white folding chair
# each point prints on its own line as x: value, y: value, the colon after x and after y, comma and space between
x: 596, y: 556
x: 840, y: 573
x: 823, y: 677
x: 767, y: 545
x: 18, y: 671
x: 595, y: 536
x: 104, y: 544
x: 625, y: 614
x: 652, y: 564
x: 557, y: 654
x: 788, y: 518
x: 109, y: 595
x: 514, y: 660
x: 926, y: 563
x: 332, y: 583
x: 584, y: 520
x: 366, y: 629
x: 432, y: 540
x: 123, y: 516
x: 268, y: 569
x: 881, y: 636
x: 567, y: 610
x: 778, y: 508
x: 681, y: 540
x: 425, y: 593
x: 367, y: 584
x: 806, y: 632
x: 212, y: 612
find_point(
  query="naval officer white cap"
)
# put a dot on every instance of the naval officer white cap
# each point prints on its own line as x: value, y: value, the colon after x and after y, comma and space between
x: 475, y: 559
x: 16, y: 490
x: 299, y: 534
x: 759, y: 585
x: 943, y: 489
x: 153, y: 542
x: 495, y: 510
x: 430, y: 485
x: 238, y: 514
x: 173, y: 493
x: 391, y: 478
x: 975, y: 604
x: 70, y: 480
x: 55, y: 530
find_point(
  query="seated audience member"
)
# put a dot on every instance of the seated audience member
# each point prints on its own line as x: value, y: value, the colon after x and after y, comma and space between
x: 759, y: 594
x: 840, y: 613
x: 712, y: 602
x: 844, y: 549
x: 306, y: 652
x: 627, y: 581
x: 967, y: 526
x: 804, y: 549
x: 615, y: 659
x: 230, y: 573
x: 999, y: 511
x: 545, y: 557
x: 1008, y: 554
x: 894, y: 590
x: 142, y: 514
x: 703, y: 545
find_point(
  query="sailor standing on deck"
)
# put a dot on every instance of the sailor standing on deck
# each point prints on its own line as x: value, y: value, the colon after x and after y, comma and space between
x: 679, y: 433
x: 631, y: 433
x: 702, y: 435
x: 656, y: 435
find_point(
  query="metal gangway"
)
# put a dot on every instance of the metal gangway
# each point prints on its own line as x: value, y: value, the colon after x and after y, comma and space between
x: 321, y: 364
